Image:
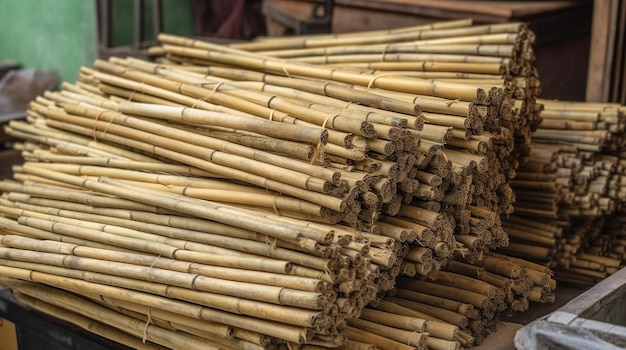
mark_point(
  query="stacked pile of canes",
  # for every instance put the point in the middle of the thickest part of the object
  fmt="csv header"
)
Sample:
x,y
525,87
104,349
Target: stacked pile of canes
x,y
252,196
570,194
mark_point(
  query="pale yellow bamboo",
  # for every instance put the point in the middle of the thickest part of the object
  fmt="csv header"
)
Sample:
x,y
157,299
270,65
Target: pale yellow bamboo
x,y
207,143
197,282
194,311
68,147
396,37
440,89
395,68
200,209
496,50
235,252
133,326
334,136
92,282
192,230
369,60
106,331
131,78
165,263
320,88
61,193
172,319
203,164
119,163
215,191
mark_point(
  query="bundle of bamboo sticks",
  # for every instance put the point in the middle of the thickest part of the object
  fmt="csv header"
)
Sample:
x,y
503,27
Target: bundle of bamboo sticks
x,y
569,196
272,190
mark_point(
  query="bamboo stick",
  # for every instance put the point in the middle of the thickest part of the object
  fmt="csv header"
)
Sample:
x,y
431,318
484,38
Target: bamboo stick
x,y
88,324
407,85
414,339
435,327
439,154
148,300
164,263
374,339
143,197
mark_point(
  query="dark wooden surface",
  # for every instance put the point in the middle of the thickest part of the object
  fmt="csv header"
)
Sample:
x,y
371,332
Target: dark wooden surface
x,y
602,48
8,158
452,8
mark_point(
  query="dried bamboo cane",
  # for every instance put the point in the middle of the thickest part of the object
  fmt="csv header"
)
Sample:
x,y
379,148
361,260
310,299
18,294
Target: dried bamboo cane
x,y
145,299
415,339
236,195
164,263
408,85
460,216
374,339
496,50
416,35
320,88
238,220
88,324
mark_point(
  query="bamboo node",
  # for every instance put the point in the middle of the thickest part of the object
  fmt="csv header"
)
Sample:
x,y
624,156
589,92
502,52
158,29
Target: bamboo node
x,y
286,72
237,307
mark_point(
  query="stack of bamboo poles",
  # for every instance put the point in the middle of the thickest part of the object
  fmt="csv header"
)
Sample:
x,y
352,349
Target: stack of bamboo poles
x,y
569,197
451,309
504,131
467,145
271,196
291,279
438,57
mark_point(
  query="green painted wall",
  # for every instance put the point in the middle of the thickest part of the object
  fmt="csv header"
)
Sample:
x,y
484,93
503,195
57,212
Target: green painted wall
x,y
177,19
58,34
61,34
